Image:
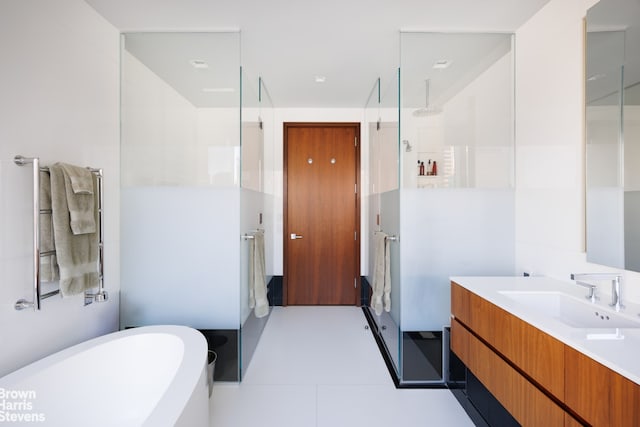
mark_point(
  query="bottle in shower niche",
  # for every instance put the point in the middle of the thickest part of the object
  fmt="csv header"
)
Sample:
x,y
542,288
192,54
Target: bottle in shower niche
x,y
434,171
429,168
421,169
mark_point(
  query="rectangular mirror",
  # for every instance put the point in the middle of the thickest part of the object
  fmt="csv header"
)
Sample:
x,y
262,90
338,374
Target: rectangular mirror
x,y
613,134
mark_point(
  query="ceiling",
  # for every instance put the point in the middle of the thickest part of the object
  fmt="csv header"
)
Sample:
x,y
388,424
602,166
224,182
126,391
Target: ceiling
x,y
289,43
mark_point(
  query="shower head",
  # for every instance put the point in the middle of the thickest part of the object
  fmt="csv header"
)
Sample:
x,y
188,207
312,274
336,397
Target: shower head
x,y
407,146
427,110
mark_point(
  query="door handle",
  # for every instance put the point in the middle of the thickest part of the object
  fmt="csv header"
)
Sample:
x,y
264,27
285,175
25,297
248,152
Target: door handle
x,y
295,236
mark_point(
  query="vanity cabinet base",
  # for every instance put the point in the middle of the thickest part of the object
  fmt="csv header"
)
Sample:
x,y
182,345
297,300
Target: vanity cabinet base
x,y
540,380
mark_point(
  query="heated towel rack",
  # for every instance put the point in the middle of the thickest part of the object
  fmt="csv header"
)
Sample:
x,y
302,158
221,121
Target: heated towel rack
x,y
38,296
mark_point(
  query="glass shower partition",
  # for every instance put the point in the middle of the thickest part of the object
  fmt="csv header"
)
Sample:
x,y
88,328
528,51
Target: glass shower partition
x,y
383,194
180,186
255,215
457,190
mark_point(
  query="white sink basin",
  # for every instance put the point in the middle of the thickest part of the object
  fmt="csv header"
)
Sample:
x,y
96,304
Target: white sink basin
x,y
571,311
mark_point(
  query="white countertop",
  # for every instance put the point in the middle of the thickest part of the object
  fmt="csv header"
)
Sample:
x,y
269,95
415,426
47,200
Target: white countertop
x,y
620,355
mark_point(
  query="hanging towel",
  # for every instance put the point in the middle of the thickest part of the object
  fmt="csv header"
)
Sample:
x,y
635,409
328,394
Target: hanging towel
x,y
48,264
78,183
77,254
257,276
381,275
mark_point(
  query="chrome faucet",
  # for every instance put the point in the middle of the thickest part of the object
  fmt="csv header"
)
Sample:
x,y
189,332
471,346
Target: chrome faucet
x,y
616,286
591,296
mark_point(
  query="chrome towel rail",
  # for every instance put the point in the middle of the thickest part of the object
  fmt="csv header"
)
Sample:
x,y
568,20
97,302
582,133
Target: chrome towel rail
x,y
389,237
36,303
23,303
250,235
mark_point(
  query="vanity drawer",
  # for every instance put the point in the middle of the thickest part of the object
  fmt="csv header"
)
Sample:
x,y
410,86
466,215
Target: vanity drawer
x,y
533,351
526,403
599,395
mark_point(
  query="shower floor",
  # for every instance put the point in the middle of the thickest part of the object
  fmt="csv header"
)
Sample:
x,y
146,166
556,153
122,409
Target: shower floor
x,y
320,367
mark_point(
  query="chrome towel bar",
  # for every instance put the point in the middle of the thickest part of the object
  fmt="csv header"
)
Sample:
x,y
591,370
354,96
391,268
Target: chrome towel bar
x,y
250,234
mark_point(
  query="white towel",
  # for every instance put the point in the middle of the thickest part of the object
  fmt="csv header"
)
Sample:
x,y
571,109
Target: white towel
x,y
381,274
80,198
77,254
257,276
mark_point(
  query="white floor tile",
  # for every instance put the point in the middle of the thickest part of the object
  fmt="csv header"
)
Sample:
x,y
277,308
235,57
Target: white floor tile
x,y
317,345
383,406
263,405
320,367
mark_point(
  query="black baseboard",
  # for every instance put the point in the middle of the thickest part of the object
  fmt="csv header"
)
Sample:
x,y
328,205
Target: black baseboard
x,y
365,291
468,407
275,294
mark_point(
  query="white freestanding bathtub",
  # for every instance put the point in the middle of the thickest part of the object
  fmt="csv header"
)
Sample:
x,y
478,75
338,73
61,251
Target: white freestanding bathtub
x,y
150,376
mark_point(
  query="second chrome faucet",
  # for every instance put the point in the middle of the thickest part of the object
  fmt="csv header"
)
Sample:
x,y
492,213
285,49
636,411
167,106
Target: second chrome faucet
x,y
616,286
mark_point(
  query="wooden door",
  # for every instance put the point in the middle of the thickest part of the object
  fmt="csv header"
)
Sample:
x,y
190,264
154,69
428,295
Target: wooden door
x,y
321,214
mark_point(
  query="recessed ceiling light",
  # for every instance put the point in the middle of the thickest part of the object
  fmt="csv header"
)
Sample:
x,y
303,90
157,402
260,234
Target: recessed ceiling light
x,y
218,90
320,79
441,64
198,63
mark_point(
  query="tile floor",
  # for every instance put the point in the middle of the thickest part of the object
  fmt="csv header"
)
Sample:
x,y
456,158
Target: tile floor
x,y
319,367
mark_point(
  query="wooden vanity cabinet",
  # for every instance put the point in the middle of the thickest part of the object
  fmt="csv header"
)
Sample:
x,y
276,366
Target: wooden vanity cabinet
x,y
535,352
526,403
599,395
538,379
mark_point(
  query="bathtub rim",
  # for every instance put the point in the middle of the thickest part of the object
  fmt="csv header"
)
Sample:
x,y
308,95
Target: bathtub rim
x,y
189,375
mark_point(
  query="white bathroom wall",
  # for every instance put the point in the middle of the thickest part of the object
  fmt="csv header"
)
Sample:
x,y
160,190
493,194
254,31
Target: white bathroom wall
x,y
217,151
59,81
550,204
159,129
485,107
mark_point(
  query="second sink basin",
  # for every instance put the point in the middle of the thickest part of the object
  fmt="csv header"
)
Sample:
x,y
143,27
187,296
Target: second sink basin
x,y
570,310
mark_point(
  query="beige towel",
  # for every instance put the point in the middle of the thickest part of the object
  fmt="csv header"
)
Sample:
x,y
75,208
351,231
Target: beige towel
x,y
257,276
381,274
81,200
77,254
48,264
